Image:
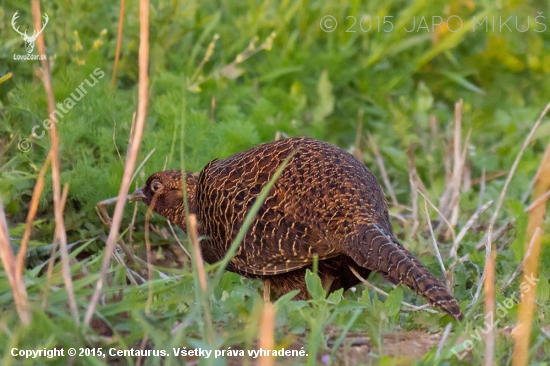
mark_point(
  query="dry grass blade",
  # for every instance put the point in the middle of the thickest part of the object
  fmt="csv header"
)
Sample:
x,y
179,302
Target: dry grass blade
x,y
131,136
434,241
494,237
142,163
539,201
8,260
528,190
130,257
56,178
118,42
383,171
266,335
413,180
115,145
537,215
522,263
142,346
129,272
449,279
213,108
399,217
489,289
132,226
6,77
487,177
450,226
446,333
149,265
503,194
194,234
64,196
463,181
465,229
177,240
382,292
481,189
132,156
37,192
453,178
49,273
457,138
101,211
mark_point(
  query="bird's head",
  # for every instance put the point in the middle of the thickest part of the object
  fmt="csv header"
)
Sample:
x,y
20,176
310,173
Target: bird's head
x,y
163,193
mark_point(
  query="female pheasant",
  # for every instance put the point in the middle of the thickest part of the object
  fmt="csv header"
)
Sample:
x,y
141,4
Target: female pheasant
x,y
326,203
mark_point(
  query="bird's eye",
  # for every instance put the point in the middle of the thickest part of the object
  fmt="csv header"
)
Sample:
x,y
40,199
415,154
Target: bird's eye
x,y
155,186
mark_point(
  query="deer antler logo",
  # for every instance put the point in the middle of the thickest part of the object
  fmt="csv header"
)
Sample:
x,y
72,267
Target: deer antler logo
x,y
29,40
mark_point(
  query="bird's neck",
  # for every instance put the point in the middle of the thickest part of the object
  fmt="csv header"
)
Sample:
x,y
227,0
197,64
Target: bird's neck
x,y
177,215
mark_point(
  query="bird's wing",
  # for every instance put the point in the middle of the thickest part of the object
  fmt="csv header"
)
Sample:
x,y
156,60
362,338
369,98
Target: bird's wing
x,y
279,243
282,238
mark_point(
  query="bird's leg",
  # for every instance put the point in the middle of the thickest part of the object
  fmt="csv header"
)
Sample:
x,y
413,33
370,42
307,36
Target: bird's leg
x,y
267,290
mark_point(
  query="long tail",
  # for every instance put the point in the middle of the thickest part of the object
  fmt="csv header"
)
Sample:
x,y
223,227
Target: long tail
x,y
381,252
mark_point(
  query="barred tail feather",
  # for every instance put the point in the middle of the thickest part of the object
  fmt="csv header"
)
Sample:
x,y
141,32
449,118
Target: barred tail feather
x,y
381,252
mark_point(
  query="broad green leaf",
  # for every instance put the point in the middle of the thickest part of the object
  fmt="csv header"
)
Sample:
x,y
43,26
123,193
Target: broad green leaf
x,y
393,302
365,297
335,297
287,297
314,286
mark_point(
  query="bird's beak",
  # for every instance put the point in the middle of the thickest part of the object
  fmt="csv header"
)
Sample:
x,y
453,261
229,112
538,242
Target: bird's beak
x,y
137,195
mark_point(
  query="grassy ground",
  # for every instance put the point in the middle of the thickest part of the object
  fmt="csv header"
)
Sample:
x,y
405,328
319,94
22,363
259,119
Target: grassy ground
x,y
225,76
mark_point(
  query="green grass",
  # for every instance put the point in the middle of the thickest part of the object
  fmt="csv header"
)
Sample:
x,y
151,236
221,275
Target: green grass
x,y
309,82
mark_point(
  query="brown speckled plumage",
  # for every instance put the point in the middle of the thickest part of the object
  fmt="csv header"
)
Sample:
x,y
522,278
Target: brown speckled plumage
x,y
325,203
